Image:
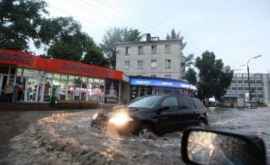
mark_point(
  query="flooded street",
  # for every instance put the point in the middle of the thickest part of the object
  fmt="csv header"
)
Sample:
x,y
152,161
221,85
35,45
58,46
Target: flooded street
x,y
67,138
246,121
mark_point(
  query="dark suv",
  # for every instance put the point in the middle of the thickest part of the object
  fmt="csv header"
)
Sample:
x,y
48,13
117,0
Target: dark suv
x,y
159,114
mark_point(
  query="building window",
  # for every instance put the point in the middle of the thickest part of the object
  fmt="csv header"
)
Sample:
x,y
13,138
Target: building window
x,y
153,75
260,88
167,49
140,50
154,49
140,64
168,64
127,51
153,63
127,64
167,76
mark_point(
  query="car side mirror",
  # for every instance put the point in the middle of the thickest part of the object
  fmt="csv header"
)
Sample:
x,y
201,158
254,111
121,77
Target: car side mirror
x,y
204,146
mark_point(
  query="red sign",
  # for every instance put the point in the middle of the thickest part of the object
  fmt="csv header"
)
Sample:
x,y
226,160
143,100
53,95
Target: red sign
x,y
27,60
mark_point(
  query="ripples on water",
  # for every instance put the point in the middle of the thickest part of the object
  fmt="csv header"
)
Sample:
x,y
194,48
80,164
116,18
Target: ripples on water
x,y
247,121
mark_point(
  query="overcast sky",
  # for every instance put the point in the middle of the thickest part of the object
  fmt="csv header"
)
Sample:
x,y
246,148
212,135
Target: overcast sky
x,y
234,29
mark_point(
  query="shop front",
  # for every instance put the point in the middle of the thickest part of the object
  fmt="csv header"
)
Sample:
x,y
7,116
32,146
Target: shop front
x,y
143,86
33,79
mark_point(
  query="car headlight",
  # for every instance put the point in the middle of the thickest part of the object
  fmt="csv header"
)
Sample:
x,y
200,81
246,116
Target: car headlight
x,y
120,118
94,117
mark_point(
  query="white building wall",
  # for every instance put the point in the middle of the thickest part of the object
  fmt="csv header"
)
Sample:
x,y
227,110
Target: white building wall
x,y
266,80
259,84
175,56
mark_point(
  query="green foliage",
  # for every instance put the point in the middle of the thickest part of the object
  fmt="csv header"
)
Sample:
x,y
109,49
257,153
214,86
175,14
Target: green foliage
x,y
20,22
191,76
95,56
115,35
67,41
65,38
214,77
174,36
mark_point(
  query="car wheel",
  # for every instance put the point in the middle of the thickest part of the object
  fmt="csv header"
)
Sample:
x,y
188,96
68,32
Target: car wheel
x,y
147,133
203,122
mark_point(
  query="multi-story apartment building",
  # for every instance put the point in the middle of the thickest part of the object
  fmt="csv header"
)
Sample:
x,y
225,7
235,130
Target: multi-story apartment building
x,y
259,87
151,58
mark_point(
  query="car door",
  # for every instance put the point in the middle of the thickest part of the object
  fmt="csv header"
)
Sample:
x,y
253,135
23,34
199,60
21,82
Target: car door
x,y
168,117
187,112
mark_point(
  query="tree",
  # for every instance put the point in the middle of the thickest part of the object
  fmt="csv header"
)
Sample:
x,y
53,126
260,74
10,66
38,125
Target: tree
x,y
188,61
214,78
95,56
20,22
115,35
174,36
191,76
67,41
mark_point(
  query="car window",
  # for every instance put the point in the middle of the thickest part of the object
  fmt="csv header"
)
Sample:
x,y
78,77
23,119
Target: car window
x,y
186,103
170,102
198,104
147,102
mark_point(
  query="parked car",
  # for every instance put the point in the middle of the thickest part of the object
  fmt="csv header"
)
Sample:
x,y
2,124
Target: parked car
x,y
158,114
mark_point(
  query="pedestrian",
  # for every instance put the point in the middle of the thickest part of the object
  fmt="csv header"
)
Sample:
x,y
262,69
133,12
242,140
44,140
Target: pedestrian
x,y
8,91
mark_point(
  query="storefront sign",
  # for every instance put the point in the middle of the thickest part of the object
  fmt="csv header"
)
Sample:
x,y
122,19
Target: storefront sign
x,y
161,83
15,58
27,60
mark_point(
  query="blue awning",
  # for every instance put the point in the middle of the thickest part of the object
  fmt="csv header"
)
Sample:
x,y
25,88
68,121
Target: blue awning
x,y
160,82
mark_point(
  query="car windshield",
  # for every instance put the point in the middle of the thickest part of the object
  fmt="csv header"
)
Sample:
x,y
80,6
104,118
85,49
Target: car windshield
x,y
147,102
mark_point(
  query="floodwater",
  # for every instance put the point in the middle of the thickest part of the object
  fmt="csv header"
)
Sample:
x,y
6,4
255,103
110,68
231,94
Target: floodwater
x,y
67,138
245,121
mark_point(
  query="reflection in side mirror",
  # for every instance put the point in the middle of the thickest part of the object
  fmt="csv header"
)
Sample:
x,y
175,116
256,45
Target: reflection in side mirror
x,y
208,147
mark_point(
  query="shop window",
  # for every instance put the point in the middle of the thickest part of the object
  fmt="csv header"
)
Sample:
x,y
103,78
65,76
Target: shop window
x,y
31,90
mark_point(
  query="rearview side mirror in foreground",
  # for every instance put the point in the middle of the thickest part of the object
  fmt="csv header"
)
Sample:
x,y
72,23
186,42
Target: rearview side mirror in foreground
x,y
212,147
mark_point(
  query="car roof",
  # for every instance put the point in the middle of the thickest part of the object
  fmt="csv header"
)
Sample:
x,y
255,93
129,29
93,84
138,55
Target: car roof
x,y
167,95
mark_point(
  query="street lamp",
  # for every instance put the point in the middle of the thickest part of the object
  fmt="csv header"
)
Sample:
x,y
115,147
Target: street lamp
x,y
252,58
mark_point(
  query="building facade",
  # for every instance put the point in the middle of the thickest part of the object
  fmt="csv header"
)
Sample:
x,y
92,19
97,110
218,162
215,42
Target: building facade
x,y
32,79
151,58
259,87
